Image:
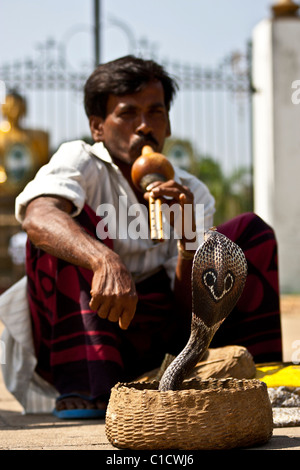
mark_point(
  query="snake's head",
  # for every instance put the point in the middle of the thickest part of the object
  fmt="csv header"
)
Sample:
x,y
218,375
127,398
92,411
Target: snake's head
x,y
218,277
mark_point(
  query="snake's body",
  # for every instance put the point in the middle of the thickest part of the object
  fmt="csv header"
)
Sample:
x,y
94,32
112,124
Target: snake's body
x,y
218,277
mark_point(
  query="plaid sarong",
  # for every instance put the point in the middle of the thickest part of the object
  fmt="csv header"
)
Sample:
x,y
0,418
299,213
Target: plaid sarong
x,y
255,321
78,351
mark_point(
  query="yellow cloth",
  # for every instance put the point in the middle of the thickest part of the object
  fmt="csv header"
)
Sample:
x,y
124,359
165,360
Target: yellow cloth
x,y
279,374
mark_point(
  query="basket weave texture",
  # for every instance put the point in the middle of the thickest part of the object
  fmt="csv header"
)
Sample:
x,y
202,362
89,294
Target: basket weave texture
x,y
202,415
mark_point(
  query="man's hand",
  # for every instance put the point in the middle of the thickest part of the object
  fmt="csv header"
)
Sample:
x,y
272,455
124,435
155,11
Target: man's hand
x,y
172,192
50,227
113,291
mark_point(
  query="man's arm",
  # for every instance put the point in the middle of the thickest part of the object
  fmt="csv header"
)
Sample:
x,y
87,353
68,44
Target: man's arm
x,y
51,228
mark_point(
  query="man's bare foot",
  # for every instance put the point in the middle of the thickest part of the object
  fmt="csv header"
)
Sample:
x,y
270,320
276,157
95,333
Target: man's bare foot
x,y
77,401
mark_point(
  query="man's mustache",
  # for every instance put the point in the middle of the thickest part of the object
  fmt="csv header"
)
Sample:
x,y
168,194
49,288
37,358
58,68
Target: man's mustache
x,y
145,140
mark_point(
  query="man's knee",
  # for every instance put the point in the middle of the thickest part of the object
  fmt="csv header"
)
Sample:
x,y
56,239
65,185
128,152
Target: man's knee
x,y
246,226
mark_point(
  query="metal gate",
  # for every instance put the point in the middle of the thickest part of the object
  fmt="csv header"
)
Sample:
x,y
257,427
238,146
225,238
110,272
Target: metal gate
x,y
212,109
210,118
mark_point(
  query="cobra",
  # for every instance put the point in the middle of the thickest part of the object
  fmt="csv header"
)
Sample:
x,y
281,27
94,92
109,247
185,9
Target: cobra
x,y
219,274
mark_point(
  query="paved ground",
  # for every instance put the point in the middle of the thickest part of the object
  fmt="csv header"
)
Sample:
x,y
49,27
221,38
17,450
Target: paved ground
x,y
45,432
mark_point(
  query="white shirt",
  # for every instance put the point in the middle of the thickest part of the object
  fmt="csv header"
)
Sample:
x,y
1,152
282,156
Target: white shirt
x,y
85,174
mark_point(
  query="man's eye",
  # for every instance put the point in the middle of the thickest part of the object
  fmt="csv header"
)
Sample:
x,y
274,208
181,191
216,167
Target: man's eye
x,y
128,113
157,111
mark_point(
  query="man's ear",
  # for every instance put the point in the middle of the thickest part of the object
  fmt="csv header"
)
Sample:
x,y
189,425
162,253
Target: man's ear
x,y
96,126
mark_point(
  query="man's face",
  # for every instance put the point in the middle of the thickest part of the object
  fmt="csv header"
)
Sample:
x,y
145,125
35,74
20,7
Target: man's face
x,y
133,121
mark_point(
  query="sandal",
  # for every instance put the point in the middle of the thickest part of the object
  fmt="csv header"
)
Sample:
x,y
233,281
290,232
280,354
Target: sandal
x,y
79,413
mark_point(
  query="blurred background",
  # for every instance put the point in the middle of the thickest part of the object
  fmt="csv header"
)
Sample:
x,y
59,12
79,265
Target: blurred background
x,y
49,48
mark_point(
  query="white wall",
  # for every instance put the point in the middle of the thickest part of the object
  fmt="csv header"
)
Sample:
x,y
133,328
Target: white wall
x,y
276,146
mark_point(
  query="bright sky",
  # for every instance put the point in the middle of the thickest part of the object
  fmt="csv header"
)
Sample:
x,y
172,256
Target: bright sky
x,y
195,32
191,31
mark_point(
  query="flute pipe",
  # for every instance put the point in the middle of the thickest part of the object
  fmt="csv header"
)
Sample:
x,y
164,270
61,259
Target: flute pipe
x,y
155,212
152,219
159,222
155,216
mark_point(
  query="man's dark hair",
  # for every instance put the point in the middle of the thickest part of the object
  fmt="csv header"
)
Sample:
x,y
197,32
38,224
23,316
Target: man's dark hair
x,y
124,76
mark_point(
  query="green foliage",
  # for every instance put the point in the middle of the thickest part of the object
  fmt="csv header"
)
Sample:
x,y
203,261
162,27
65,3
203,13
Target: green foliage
x,y
233,193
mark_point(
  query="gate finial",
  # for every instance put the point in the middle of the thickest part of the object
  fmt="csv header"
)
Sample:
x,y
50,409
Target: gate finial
x,y
285,8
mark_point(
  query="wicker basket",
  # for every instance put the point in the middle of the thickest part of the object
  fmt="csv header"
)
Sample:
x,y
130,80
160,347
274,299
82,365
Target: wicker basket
x,y
208,414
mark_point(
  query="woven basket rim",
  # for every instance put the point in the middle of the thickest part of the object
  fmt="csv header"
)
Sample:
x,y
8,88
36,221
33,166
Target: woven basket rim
x,y
195,385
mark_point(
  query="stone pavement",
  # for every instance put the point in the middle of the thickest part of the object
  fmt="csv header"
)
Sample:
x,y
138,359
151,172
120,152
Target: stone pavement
x,y
46,432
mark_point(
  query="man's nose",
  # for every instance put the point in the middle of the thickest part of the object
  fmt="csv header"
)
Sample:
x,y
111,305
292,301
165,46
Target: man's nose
x,y
144,126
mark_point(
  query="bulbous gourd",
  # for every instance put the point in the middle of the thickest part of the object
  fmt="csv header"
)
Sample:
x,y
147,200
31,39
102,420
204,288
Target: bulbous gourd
x,y
150,167
147,169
